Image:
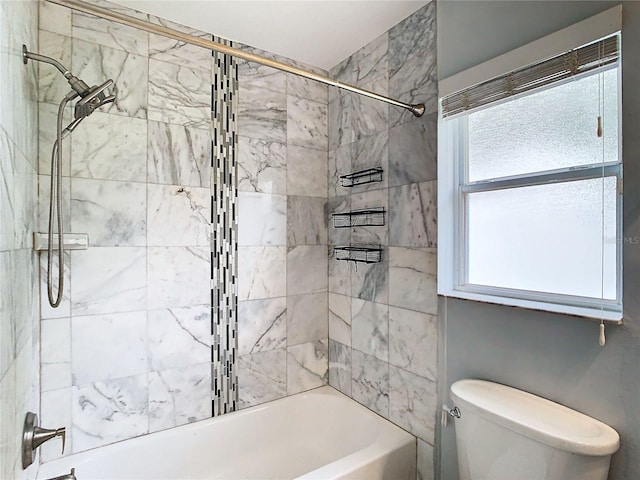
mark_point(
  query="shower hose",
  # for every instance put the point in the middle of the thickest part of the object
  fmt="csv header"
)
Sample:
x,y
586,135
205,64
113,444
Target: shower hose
x,y
55,208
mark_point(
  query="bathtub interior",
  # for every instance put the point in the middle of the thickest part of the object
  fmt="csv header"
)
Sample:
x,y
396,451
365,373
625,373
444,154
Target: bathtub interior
x,y
316,434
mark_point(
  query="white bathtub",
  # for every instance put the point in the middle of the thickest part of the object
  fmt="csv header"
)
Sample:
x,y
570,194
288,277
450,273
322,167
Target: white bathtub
x,y
320,434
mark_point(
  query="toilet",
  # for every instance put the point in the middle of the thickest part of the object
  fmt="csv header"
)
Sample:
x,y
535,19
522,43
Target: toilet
x,y
506,434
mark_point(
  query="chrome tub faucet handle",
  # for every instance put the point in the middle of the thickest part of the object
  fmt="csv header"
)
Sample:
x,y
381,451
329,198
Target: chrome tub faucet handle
x,y
33,436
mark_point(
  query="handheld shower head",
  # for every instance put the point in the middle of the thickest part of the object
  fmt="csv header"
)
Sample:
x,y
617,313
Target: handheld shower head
x,y
94,98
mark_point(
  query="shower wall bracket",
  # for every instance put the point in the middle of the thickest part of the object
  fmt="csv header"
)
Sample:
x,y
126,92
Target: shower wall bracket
x,y
72,241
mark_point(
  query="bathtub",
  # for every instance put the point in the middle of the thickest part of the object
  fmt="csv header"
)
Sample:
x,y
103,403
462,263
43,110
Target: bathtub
x,y
320,434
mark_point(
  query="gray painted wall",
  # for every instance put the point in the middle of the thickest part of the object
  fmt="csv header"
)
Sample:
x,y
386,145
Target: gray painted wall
x,y
554,356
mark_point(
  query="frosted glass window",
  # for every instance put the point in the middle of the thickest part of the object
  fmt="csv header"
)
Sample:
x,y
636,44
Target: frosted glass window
x,y
545,238
550,129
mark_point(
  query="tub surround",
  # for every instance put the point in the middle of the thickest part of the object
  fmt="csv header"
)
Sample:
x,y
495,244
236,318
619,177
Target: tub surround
x,y
137,178
19,329
383,317
282,164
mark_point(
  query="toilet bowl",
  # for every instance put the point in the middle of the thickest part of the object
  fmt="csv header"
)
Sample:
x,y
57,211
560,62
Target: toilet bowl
x,y
507,434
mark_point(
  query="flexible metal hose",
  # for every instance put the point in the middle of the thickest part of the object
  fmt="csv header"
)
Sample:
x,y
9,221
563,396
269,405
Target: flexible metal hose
x,y
55,208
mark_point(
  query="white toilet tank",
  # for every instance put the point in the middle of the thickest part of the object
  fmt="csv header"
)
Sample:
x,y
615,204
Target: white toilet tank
x,y
507,434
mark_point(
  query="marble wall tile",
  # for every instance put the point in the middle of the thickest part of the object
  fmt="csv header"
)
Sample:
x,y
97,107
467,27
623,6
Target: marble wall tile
x,y
307,123
44,187
25,205
306,171
55,409
413,151
339,164
262,165
370,152
413,403
98,352
180,53
129,72
411,36
178,337
52,86
179,396
261,272
413,342
262,377
413,76
178,276
306,270
179,94
371,281
373,234
110,34
308,89
412,279
263,219
55,354
110,147
340,318
339,276
370,116
250,72
370,62
120,221
306,220
7,340
178,216
307,318
108,280
426,468
109,411
54,376
47,117
340,121
340,367
412,58
370,328
262,325
413,215
370,382
345,73
307,366
262,108
338,236
178,155
54,18
7,187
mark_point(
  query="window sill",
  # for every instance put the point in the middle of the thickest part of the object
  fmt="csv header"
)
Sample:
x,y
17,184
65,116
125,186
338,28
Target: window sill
x,y
592,313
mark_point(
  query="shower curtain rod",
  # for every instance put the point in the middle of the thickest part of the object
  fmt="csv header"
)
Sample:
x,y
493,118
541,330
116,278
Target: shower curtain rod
x,y
416,109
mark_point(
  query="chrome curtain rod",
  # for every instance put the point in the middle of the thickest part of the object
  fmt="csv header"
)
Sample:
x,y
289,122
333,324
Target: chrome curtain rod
x,y
417,109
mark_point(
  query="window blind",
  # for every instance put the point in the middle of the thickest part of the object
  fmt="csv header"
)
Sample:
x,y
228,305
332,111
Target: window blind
x,y
594,55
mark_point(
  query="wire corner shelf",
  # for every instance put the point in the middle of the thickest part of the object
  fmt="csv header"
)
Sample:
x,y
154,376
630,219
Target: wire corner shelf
x,y
358,253
362,177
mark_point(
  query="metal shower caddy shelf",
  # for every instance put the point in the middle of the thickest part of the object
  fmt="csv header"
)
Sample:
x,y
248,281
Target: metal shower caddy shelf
x,y
359,218
362,177
358,253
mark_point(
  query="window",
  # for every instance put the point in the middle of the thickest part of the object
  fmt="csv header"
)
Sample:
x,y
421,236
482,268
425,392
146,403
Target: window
x,y
530,190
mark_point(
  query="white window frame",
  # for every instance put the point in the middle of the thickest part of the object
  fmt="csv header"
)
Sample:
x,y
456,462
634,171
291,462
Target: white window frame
x,y
452,156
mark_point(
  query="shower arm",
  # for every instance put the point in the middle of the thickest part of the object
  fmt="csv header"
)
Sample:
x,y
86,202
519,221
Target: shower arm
x,y
417,109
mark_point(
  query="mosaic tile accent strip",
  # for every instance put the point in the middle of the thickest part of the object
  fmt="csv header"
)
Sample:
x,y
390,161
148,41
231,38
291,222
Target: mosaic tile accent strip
x,y
224,238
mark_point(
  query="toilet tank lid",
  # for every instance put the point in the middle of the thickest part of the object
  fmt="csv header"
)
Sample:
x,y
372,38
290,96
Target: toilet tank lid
x,y
534,417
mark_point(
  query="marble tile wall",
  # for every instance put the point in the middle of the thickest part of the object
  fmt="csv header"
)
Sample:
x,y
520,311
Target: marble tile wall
x,y
129,350
19,332
383,317
282,204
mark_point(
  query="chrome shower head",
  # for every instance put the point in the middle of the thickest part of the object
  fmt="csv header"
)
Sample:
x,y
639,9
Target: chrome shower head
x,y
92,99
